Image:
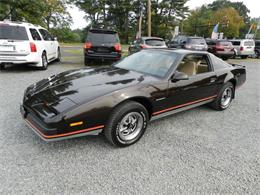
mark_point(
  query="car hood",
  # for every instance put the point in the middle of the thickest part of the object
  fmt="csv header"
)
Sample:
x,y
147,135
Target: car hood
x,y
84,85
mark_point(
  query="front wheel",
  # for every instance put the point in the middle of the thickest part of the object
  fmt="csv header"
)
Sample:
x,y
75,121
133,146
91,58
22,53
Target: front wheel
x,y
244,57
225,97
127,124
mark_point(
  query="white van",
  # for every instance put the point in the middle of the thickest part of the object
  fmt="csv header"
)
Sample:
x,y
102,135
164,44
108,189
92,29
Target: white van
x,y
24,43
244,47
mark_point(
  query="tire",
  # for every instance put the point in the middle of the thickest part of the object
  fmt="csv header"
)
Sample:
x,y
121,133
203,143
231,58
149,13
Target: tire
x,y
87,61
257,54
44,62
2,67
225,58
58,59
244,57
127,124
222,103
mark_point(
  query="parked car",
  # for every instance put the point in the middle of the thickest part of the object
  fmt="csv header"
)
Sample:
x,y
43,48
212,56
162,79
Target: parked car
x,y
146,43
257,48
102,45
25,43
221,48
244,47
190,43
121,99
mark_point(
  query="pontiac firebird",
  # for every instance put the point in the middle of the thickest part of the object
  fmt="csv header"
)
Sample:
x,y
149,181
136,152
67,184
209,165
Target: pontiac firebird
x,y
120,100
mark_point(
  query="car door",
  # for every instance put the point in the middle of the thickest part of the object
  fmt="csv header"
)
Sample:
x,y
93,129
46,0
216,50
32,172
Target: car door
x,y
49,43
200,85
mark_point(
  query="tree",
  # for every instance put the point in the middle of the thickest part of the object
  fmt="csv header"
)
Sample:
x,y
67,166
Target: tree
x,y
240,7
46,12
236,21
122,15
55,13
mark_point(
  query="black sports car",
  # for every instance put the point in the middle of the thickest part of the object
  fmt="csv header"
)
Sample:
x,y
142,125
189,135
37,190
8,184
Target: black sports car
x,y
121,99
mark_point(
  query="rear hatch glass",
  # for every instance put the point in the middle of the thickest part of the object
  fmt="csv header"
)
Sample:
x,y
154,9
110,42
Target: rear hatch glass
x,y
102,38
226,44
154,42
197,41
13,32
249,43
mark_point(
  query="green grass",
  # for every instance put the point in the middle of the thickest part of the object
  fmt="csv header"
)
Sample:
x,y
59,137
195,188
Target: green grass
x,y
75,51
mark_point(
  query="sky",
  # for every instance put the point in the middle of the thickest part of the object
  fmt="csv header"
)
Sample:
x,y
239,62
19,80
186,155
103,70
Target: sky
x,y
80,22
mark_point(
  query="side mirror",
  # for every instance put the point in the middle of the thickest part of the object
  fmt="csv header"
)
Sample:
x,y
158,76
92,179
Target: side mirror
x,y
179,76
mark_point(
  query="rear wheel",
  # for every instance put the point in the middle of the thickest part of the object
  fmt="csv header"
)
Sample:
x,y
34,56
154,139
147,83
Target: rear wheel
x,y
225,97
127,124
44,62
58,59
244,57
257,54
87,61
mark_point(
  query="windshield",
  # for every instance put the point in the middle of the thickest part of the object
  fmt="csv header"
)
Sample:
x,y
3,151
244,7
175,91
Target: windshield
x,y
13,32
156,63
155,42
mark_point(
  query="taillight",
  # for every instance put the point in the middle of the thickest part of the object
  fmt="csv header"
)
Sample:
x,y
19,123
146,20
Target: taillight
x,y
87,45
33,47
219,47
118,47
143,46
241,48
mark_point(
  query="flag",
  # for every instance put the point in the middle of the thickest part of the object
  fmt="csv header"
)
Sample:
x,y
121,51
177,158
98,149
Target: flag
x,y
214,34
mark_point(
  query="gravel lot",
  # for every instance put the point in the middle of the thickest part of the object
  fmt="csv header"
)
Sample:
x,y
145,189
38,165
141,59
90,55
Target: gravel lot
x,y
200,150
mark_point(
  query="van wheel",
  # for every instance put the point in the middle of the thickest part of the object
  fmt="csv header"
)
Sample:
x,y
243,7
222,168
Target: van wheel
x,y
244,57
58,59
2,67
44,62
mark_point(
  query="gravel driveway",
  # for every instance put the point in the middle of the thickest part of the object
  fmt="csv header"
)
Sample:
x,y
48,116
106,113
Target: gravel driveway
x,y
200,150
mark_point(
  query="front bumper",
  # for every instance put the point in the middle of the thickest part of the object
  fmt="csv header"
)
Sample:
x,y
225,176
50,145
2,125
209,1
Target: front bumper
x,y
53,134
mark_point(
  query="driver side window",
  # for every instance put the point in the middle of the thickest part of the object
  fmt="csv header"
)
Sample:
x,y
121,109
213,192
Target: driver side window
x,y
194,64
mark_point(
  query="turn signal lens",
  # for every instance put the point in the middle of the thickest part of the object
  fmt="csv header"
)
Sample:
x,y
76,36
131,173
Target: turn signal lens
x,y
76,124
33,47
87,45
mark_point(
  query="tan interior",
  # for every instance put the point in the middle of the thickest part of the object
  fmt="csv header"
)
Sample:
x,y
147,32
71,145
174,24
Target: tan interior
x,y
192,68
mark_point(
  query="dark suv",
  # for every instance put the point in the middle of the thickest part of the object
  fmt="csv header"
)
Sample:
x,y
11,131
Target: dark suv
x,y
221,48
191,43
257,48
102,45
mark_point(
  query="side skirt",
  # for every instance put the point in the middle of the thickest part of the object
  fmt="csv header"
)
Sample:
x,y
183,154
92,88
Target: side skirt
x,y
165,114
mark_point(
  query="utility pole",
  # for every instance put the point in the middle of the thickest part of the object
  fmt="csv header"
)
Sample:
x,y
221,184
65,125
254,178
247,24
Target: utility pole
x,y
149,18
